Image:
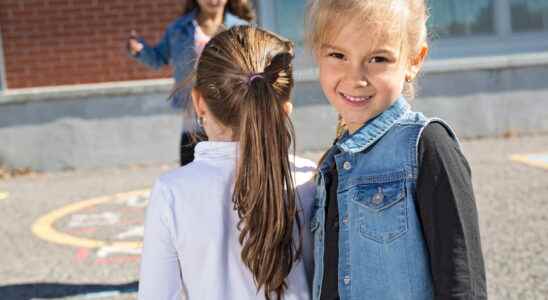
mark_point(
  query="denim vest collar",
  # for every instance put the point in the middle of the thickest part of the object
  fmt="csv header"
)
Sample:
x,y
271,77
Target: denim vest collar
x,y
374,129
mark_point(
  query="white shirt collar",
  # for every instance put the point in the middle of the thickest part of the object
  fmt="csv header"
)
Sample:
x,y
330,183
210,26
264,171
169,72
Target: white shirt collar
x,y
215,151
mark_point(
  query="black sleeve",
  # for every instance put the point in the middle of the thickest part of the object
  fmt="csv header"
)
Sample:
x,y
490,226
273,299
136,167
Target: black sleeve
x,y
447,209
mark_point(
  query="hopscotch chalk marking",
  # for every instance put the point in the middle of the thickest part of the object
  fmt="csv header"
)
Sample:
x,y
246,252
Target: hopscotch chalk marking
x,y
534,160
102,219
137,231
107,251
44,229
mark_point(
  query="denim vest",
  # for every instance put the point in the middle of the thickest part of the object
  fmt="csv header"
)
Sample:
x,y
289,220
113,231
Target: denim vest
x,y
176,48
382,251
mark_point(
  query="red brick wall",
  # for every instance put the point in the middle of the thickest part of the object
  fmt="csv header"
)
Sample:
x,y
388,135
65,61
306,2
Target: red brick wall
x,y
56,42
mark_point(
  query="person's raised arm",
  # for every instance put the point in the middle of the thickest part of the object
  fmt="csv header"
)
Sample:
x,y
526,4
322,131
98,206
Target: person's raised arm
x,y
154,57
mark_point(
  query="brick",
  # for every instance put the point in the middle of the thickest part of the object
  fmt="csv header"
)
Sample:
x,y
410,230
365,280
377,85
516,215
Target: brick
x,y
59,3
51,42
34,4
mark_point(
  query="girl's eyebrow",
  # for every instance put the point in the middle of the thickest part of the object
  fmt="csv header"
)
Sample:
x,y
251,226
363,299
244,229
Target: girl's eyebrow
x,y
383,51
329,46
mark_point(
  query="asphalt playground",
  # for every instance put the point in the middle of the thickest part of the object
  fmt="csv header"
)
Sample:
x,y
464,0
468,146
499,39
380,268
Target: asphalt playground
x,y
77,234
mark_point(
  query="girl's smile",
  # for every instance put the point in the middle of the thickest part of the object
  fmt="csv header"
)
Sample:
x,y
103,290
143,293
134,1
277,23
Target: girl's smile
x,y
356,100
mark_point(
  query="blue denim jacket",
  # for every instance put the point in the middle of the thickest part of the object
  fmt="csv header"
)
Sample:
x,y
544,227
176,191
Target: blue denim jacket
x,y
177,49
382,251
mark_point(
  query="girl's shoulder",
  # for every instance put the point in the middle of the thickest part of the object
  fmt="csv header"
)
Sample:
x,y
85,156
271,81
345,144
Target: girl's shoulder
x,y
302,162
304,169
305,188
184,21
304,172
194,172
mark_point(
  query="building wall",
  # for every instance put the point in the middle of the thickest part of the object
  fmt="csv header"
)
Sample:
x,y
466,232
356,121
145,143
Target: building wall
x,y
58,130
62,42
483,85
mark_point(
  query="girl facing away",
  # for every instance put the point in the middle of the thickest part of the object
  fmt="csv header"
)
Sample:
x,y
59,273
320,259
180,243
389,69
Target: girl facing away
x,y
181,45
395,215
231,224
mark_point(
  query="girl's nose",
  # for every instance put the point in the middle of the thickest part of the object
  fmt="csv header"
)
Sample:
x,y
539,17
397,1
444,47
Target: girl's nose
x,y
357,74
362,83
359,80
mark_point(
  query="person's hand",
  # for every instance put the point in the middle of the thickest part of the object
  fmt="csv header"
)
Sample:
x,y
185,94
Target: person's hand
x,y
133,43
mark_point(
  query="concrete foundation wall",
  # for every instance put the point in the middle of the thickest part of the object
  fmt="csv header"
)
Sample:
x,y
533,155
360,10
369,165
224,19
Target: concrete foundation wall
x,y
120,126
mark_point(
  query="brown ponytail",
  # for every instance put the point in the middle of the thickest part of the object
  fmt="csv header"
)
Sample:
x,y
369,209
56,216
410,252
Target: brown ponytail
x,y
245,77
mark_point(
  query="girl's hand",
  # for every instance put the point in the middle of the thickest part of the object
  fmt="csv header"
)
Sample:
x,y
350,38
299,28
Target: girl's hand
x,y
133,43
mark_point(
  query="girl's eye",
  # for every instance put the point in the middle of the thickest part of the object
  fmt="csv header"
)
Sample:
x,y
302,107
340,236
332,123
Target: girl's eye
x,y
378,59
336,55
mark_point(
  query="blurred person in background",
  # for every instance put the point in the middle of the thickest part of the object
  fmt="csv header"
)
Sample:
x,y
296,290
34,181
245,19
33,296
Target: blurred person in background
x,y
181,45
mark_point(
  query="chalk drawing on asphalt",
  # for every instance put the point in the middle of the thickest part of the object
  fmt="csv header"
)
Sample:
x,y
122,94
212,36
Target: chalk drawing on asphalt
x,y
92,220
137,231
106,231
107,251
137,201
4,195
535,160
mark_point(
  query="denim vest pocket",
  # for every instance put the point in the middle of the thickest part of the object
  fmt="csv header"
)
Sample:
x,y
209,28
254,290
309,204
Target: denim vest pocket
x,y
382,209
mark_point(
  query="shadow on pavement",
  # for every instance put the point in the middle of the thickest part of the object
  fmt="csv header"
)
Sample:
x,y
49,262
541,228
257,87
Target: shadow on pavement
x,y
28,291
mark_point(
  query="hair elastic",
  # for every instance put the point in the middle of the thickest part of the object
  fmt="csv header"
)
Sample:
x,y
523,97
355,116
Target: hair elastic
x,y
253,77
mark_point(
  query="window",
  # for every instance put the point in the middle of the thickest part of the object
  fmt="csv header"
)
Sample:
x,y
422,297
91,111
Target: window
x,y
459,28
458,18
290,16
529,15
449,18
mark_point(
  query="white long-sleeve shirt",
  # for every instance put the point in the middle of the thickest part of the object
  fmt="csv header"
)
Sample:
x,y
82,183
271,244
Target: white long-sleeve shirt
x,y
191,248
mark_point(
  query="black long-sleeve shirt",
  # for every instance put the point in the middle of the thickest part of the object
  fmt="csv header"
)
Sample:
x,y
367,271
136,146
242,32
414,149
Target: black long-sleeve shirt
x,y
447,210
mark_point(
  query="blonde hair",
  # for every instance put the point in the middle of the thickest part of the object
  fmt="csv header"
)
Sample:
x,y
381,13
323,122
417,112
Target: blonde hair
x,y
324,20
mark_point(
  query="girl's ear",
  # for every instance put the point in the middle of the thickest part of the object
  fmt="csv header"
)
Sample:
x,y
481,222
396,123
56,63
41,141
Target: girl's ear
x,y
198,102
416,62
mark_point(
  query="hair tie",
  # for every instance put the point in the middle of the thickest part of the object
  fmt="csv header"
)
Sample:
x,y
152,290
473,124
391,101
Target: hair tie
x,y
253,77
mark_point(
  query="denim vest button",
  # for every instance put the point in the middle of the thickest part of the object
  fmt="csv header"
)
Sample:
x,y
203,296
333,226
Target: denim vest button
x,y
378,197
347,165
346,280
345,220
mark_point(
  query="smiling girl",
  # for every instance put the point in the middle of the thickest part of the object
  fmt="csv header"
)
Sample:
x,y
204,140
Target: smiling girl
x,y
395,215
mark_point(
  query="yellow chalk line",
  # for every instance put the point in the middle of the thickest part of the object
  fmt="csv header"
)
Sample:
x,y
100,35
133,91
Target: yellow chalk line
x,y
43,227
526,160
